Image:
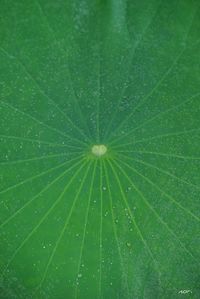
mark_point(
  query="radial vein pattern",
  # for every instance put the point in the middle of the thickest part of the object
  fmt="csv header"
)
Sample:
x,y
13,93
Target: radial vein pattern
x,y
99,144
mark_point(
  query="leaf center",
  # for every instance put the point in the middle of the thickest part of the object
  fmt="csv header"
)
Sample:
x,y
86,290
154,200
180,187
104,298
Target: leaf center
x,y
99,150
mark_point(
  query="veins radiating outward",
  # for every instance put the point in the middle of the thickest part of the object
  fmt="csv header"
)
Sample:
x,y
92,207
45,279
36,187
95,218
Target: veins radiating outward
x,y
85,226
162,191
43,124
99,93
80,160
154,118
69,72
125,145
114,166
45,95
157,85
134,221
40,142
129,68
162,154
30,179
162,113
152,208
18,161
64,227
115,230
45,215
159,170
101,227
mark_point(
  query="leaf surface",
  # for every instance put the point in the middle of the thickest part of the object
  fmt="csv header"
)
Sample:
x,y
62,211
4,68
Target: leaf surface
x,y
100,149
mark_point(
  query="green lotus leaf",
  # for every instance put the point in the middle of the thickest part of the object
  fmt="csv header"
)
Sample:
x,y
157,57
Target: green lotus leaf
x,y
100,149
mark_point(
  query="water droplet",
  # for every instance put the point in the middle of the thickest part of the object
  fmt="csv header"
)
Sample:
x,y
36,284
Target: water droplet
x,y
128,189
128,244
79,275
104,188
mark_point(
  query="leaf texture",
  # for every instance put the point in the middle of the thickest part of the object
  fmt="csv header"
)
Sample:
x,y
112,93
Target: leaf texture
x,y
100,149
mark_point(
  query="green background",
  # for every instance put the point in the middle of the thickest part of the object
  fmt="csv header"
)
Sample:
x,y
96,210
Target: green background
x,y
126,74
